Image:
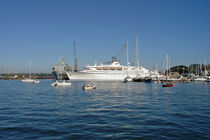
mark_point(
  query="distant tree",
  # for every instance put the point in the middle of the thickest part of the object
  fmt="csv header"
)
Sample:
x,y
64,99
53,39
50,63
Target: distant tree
x,y
181,69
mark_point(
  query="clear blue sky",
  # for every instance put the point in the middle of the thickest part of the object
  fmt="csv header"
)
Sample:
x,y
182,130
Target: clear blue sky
x,y
43,30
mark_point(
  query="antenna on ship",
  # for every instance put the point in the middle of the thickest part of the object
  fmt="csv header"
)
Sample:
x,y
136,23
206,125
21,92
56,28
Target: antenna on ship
x,y
75,58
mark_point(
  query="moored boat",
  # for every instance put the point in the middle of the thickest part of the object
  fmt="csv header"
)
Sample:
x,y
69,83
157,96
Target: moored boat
x,y
29,80
113,71
61,83
168,85
88,86
200,79
128,79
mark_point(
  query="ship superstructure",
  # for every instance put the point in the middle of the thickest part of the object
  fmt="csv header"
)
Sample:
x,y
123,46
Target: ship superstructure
x,y
59,70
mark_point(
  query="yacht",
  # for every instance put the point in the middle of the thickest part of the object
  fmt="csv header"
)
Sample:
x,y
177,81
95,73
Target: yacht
x,y
29,80
200,79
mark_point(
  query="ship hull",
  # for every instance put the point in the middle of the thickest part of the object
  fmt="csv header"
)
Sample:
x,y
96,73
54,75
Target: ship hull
x,y
100,76
62,76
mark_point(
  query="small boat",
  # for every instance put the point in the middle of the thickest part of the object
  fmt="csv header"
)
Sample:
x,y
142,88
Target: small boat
x,y
168,85
208,79
148,80
128,79
200,79
60,83
36,81
29,80
87,86
138,79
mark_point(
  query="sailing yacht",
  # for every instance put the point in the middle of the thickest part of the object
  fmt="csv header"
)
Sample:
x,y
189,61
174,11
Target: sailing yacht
x,y
167,82
201,77
29,80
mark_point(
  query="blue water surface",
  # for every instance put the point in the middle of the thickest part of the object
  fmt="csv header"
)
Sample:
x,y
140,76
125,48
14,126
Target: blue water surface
x,y
115,110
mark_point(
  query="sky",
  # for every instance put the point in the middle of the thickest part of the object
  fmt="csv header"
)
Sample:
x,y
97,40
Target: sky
x,y
44,30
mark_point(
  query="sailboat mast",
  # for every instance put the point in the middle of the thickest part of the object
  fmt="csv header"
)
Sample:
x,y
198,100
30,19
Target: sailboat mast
x,y
167,67
205,68
75,58
30,68
127,55
59,78
137,56
127,50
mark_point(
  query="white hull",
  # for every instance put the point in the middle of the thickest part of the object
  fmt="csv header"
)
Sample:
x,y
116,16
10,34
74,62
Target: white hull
x,y
128,79
60,83
109,72
86,87
103,76
30,81
200,79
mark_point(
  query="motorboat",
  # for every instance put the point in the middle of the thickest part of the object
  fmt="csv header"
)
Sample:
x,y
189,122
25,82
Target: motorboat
x,y
168,85
88,86
29,80
61,83
200,79
128,79
36,81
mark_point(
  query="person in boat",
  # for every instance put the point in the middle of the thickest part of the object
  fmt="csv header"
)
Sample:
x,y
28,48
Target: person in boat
x,y
86,85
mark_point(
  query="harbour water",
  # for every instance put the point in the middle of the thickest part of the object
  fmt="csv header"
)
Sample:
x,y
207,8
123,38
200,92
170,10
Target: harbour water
x,y
115,110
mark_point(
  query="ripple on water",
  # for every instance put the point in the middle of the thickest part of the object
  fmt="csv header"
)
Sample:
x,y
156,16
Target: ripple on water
x,y
115,110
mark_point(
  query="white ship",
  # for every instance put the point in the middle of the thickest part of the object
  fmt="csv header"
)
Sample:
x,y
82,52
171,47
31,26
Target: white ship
x,y
109,72
112,71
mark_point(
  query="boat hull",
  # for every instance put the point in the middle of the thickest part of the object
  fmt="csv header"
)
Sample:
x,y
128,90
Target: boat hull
x,y
168,85
88,87
100,76
57,83
35,81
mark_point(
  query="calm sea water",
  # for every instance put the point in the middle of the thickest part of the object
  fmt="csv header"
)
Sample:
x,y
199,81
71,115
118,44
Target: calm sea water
x,y
115,110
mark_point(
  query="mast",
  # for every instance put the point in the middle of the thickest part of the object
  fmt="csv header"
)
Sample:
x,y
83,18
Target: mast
x,y
127,50
201,72
127,55
205,72
75,58
30,68
137,56
59,75
167,67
